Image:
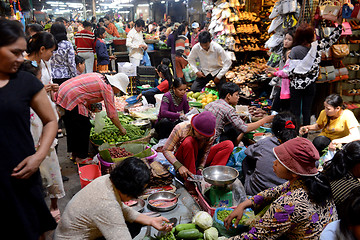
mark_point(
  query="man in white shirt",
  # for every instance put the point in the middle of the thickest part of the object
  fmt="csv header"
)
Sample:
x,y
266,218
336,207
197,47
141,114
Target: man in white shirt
x,y
135,42
214,62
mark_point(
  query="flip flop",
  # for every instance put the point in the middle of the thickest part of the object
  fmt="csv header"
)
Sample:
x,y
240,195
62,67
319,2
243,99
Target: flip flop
x,y
87,160
56,215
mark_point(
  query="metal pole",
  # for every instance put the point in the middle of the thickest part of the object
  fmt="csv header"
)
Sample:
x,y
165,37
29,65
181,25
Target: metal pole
x,y
84,3
167,8
93,8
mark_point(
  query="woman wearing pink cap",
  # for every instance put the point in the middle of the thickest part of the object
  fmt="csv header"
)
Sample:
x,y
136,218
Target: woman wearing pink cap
x,y
189,146
301,207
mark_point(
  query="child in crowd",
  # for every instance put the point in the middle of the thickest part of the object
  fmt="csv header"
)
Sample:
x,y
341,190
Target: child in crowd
x,y
103,58
167,62
261,156
229,125
80,64
174,105
281,90
164,73
49,168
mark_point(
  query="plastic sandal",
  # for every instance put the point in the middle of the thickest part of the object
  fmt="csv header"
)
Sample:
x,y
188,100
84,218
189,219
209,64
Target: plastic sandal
x,y
56,215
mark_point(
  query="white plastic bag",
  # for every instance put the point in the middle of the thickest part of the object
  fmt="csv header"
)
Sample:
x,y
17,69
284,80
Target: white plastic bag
x,y
99,121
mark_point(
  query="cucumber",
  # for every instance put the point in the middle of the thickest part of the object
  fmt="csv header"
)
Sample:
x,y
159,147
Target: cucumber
x,y
185,226
188,234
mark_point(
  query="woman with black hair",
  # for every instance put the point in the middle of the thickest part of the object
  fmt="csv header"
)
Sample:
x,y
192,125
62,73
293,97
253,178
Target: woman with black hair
x,y
50,167
337,124
104,214
63,59
299,208
182,50
343,172
348,227
32,29
303,71
174,105
103,58
27,215
261,155
164,72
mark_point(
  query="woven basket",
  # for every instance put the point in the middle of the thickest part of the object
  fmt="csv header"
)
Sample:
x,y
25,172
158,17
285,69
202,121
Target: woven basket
x,y
145,139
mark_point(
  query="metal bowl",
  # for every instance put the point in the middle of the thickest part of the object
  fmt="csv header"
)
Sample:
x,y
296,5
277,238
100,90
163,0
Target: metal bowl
x,y
220,175
162,195
139,207
142,123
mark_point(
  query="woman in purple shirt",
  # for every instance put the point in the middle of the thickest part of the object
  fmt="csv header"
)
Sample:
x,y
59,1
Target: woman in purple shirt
x,y
174,105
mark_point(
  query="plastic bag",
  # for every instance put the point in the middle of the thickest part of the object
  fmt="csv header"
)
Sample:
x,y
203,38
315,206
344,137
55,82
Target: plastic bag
x,y
161,158
146,59
99,122
236,158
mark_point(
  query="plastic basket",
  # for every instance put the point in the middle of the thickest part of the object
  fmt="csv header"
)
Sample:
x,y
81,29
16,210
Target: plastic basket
x,y
232,231
204,204
88,173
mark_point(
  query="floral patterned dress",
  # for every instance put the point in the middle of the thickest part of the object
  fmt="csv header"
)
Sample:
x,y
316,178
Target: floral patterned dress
x,y
291,214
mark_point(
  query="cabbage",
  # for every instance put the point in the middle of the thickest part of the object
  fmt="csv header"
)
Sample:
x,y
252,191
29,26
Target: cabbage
x,y
203,220
211,234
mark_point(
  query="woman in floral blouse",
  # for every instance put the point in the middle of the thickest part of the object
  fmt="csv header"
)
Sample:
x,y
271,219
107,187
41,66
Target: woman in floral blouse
x,y
299,208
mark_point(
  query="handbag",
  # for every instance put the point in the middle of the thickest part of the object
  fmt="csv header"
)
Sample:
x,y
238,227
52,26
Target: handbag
x,y
326,55
346,11
346,28
289,6
341,74
340,50
356,11
329,7
327,74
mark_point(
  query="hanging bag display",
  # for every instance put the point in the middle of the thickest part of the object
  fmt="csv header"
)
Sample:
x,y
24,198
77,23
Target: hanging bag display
x,y
346,28
340,50
327,74
356,11
330,8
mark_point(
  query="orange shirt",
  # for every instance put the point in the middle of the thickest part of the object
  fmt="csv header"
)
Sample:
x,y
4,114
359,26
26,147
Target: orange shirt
x,y
164,86
112,30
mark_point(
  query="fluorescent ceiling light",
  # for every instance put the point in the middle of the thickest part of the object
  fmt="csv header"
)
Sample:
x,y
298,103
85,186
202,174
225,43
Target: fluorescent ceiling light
x,y
123,11
162,2
151,3
143,5
177,0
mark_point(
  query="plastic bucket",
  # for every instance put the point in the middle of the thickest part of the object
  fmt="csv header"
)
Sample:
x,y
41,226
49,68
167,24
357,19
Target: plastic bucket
x,y
88,173
105,166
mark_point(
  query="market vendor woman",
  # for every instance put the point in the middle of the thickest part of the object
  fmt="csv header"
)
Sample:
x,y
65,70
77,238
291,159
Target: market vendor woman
x,y
189,146
337,124
174,105
76,96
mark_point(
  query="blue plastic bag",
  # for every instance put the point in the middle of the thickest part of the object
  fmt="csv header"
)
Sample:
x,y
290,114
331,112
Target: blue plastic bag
x,y
236,158
146,60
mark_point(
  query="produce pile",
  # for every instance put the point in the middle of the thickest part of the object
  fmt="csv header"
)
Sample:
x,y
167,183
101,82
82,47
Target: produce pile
x,y
223,214
200,228
111,134
256,112
203,98
118,152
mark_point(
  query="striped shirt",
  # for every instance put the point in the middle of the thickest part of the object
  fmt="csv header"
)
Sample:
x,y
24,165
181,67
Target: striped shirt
x,y
84,90
342,187
85,41
182,46
177,136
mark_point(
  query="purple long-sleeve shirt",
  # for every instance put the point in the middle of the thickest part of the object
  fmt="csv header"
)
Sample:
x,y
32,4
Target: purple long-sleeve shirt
x,y
171,43
169,110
